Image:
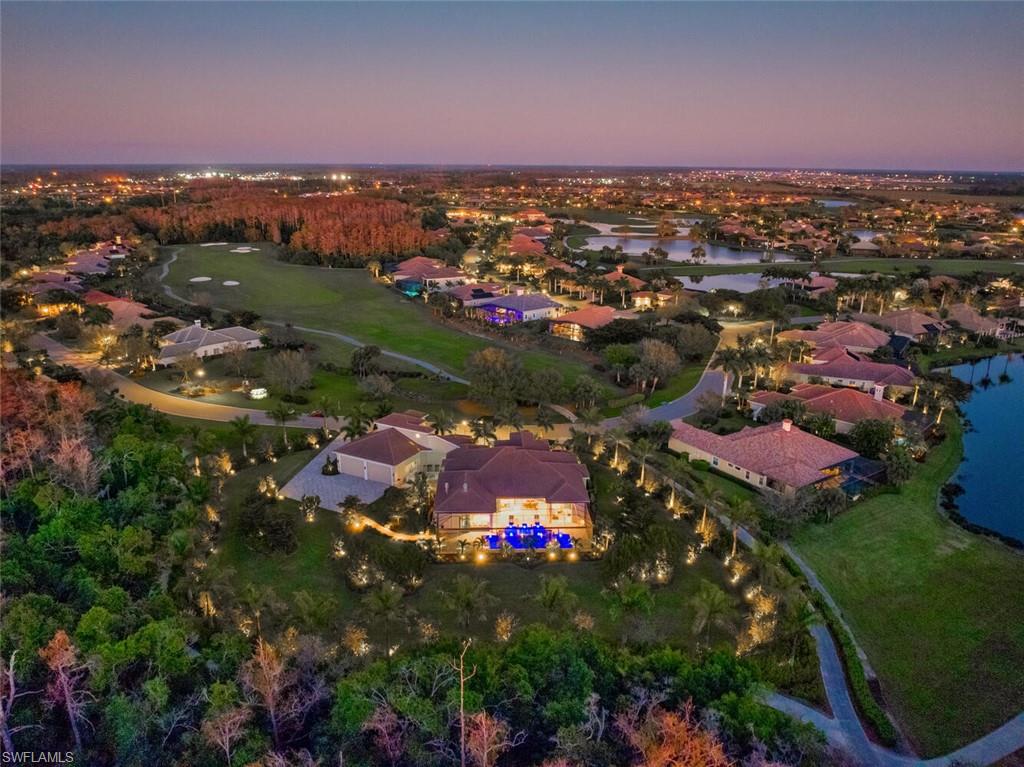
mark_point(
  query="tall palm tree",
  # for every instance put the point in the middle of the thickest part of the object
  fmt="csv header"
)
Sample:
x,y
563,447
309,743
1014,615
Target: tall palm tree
x,y
482,430
729,360
282,414
245,430
712,607
509,415
545,418
442,422
384,603
590,419
467,597
330,408
629,601
643,449
797,620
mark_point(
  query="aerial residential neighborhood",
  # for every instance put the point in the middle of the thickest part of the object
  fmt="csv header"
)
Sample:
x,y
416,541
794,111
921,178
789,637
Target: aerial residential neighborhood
x,y
512,384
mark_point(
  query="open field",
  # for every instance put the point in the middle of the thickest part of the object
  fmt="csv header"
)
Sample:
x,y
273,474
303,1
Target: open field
x,y
937,609
884,265
344,301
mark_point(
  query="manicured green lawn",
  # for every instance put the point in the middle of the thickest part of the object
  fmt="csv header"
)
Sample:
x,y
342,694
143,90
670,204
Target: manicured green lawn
x,y
938,610
679,385
885,265
346,301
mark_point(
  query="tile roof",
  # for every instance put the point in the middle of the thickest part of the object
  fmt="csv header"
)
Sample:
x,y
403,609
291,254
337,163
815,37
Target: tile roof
x,y
474,478
780,451
193,337
523,303
854,368
589,317
843,404
855,334
413,420
387,446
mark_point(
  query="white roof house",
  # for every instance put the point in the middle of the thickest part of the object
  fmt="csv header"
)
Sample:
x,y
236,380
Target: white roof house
x,y
204,342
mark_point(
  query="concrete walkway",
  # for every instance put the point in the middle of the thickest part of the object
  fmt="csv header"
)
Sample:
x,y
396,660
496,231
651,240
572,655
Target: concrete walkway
x,y
170,404
339,336
845,730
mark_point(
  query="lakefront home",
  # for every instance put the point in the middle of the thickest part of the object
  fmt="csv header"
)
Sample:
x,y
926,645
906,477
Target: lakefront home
x,y
854,336
779,457
519,493
844,405
834,365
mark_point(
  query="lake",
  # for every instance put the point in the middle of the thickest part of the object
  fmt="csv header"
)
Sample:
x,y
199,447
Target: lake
x,y
993,467
835,203
679,250
741,283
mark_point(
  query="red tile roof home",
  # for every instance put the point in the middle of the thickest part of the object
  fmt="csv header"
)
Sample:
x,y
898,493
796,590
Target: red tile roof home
x,y
852,335
472,479
590,317
843,404
408,419
635,283
780,451
387,446
969,318
852,369
99,297
910,323
521,245
421,267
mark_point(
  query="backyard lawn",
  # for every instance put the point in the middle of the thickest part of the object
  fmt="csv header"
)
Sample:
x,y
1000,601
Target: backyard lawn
x,y
345,301
937,609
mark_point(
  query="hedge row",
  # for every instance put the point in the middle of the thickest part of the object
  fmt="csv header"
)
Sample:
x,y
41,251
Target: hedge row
x,y
863,698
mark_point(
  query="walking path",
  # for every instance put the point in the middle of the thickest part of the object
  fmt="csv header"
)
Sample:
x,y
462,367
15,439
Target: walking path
x,y
845,730
135,392
165,267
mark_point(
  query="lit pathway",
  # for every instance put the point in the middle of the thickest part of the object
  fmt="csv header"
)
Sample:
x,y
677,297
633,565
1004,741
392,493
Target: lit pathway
x,y
340,336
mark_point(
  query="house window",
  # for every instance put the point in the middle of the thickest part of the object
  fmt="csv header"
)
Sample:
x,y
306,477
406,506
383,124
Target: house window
x,y
714,460
748,475
464,521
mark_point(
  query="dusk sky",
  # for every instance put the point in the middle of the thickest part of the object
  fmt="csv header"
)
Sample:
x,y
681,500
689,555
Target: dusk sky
x,y
910,85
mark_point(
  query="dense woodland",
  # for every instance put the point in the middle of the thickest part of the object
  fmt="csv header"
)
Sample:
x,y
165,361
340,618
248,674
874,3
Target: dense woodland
x,y
110,650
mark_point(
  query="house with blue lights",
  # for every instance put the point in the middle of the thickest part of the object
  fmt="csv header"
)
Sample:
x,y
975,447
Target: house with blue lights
x,y
525,307
519,493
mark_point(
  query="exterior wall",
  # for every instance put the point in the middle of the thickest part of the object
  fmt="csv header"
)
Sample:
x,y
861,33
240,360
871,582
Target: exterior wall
x,y
751,478
540,314
396,476
211,350
569,330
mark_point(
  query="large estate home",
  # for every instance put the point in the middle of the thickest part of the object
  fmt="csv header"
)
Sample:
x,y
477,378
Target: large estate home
x,y
575,325
970,319
835,365
854,336
476,294
910,323
418,274
524,307
519,493
400,446
779,457
812,286
844,405
204,342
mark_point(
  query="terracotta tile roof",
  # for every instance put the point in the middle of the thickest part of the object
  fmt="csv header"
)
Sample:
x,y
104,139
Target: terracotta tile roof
x,y
849,367
854,334
423,268
413,420
387,446
969,318
843,404
910,322
525,246
473,478
99,297
589,317
635,283
780,451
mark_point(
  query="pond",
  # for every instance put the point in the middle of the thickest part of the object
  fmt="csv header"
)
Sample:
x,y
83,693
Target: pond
x,y
679,250
741,283
993,465
835,203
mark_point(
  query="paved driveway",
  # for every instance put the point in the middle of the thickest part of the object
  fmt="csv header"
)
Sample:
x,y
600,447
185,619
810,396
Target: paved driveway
x,y
331,489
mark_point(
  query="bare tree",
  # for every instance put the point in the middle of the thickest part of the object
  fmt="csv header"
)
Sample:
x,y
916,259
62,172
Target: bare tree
x,y
460,669
8,695
288,371
388,732
278,690
489,737
60,656
224,729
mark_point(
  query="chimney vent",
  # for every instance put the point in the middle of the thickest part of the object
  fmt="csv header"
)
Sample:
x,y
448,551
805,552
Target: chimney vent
x,y
879,392
465,487
787,424
197,323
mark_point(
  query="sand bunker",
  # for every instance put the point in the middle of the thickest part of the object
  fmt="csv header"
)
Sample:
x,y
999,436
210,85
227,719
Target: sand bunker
x,y
200,279
230,283
211,244
244,249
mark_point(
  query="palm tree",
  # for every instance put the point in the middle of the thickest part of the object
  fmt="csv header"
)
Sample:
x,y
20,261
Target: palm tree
x,y
712,607
729,360
509,415
768,564
797,620
555,596
590,420
282,414
482,430
467,597
313,610
330,408
741,512
643,449
385,604
628,601
442,422
545,418
357,423
245,430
